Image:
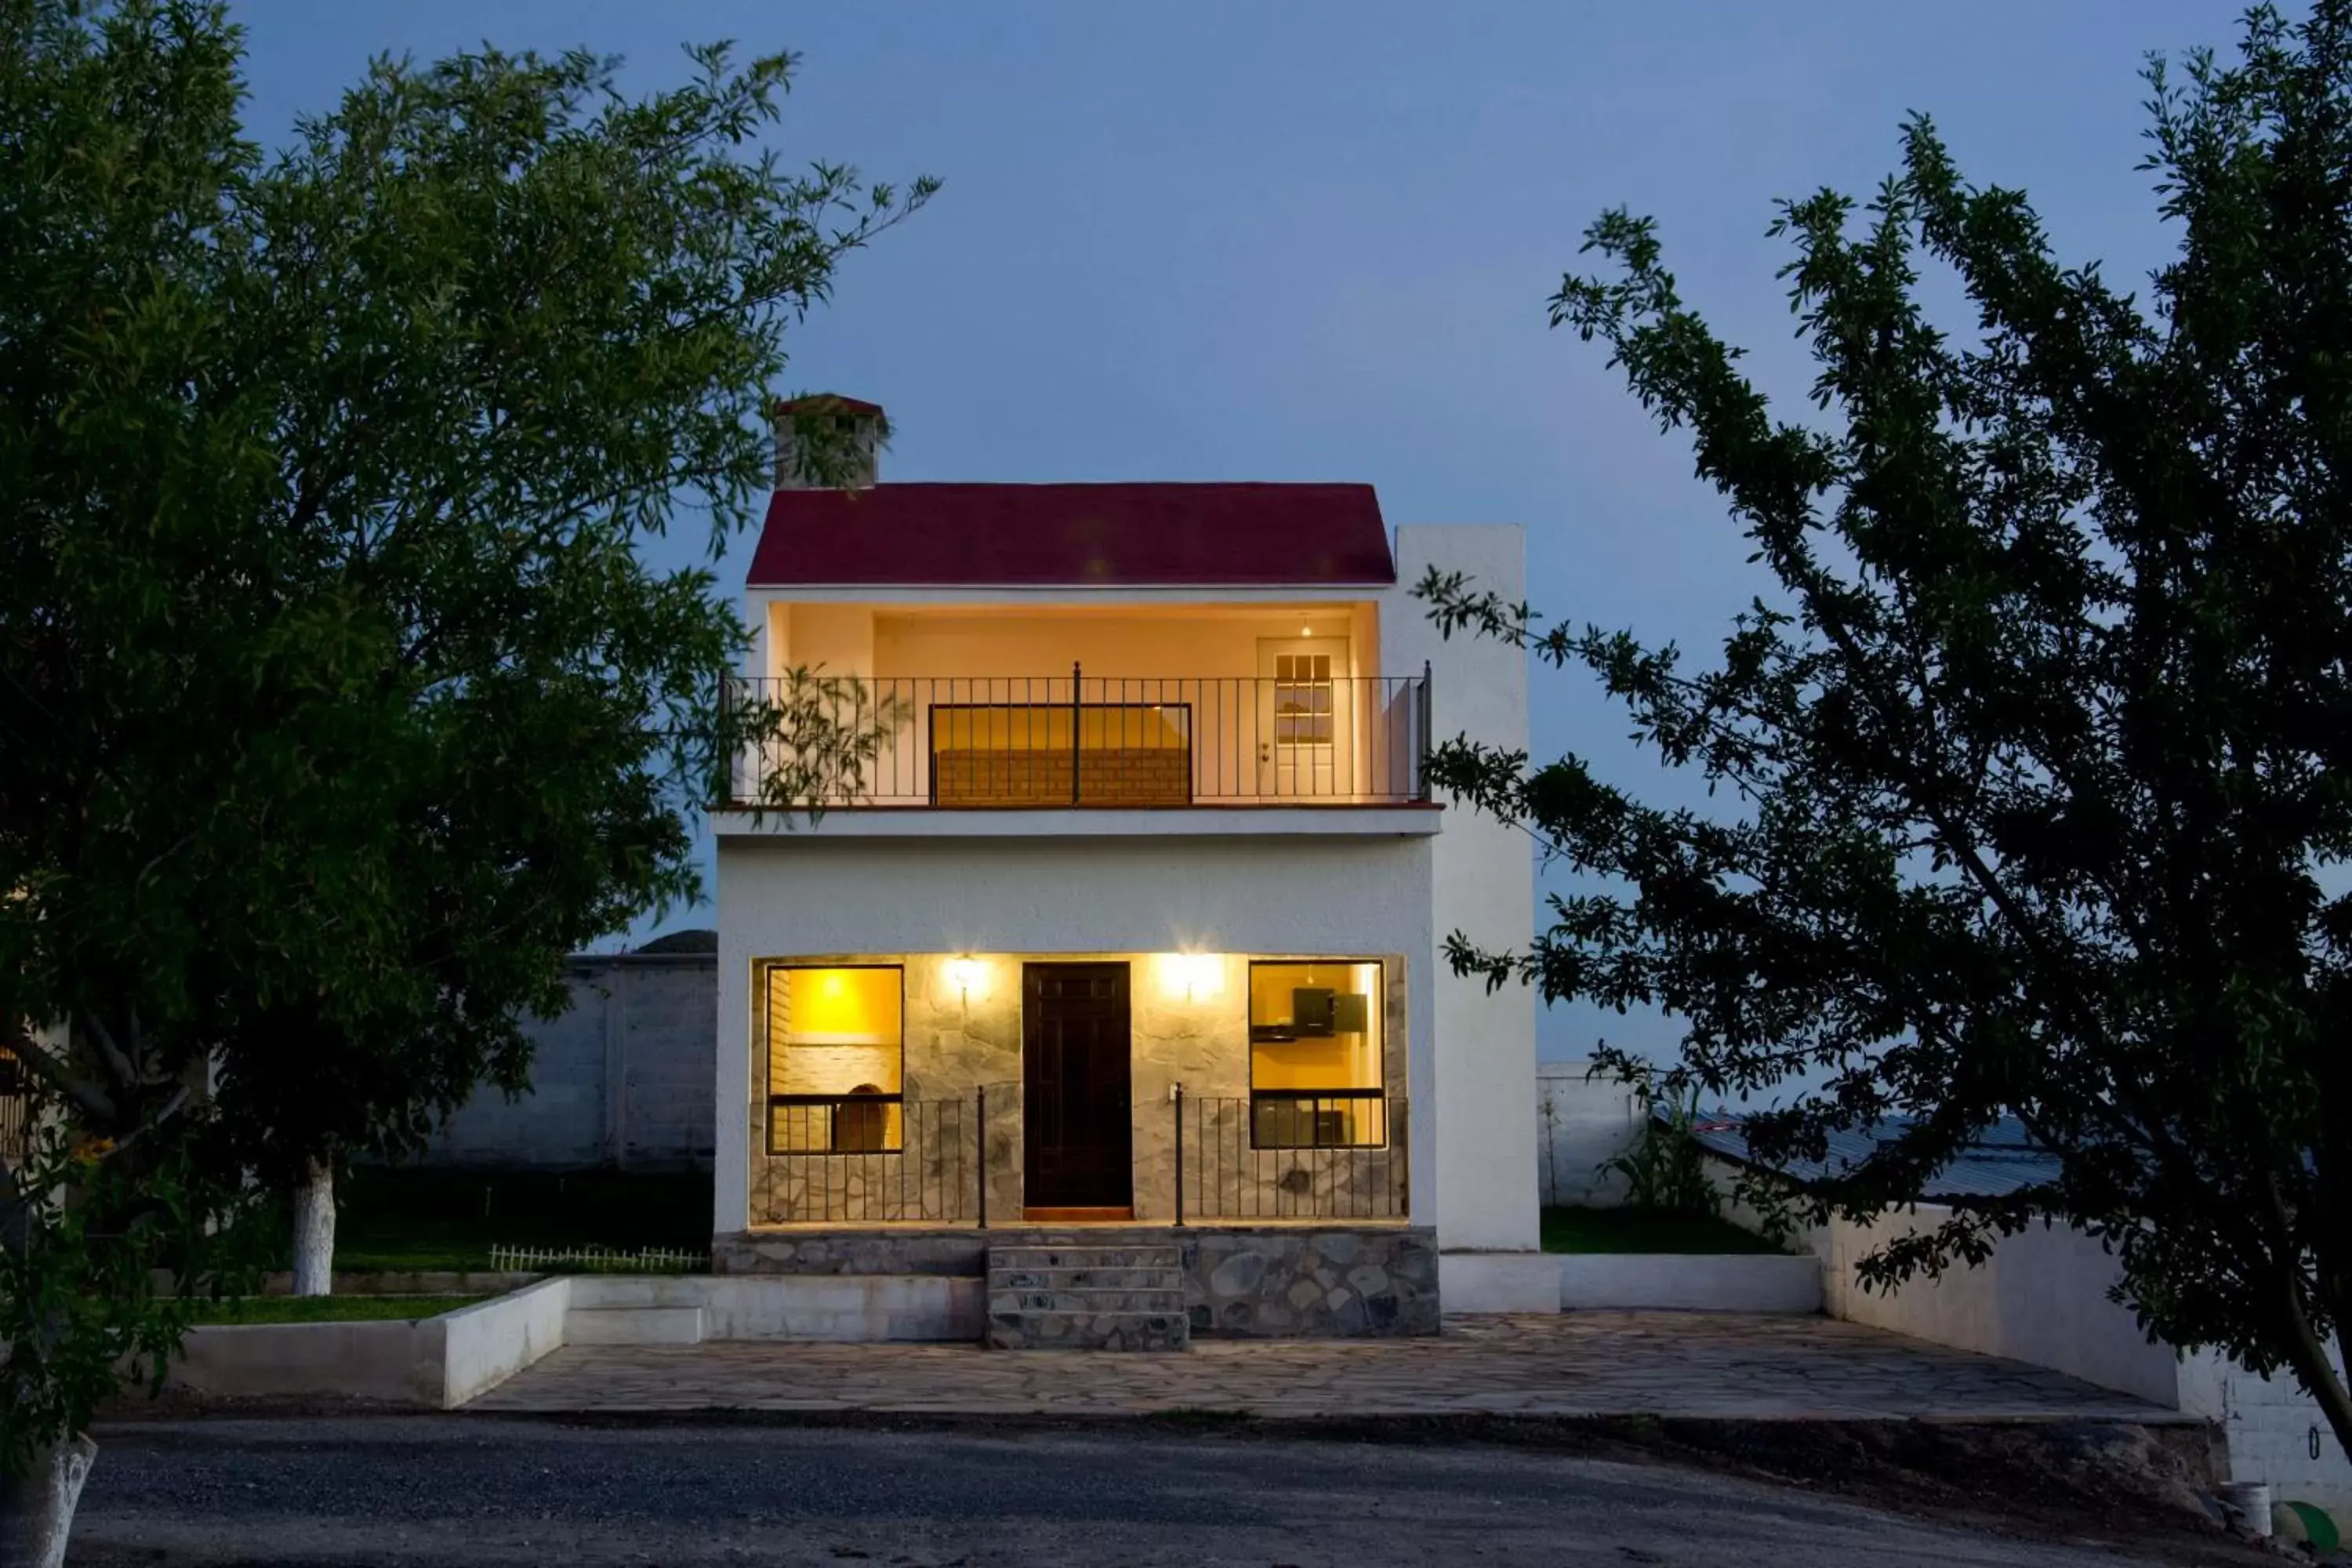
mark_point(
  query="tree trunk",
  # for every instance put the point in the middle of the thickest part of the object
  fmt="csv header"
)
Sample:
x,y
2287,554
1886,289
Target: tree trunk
x,y
314,1231
36,1513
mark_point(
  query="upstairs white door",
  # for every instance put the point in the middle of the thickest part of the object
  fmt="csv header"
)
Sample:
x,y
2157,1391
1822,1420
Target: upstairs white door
x,y
1302,707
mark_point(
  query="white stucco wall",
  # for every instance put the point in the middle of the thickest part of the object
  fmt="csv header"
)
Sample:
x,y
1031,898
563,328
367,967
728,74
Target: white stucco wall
x,y
784,895
1482,885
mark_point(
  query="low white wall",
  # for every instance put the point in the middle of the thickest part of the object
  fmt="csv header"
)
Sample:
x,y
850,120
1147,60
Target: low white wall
x,y
1581,1124
1497,1283
1690,1283
2040,1298
838,1308
397,1361
485,1344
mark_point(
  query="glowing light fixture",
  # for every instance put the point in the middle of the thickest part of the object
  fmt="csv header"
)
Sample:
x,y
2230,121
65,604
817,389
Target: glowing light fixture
x,y
1195,976
968,975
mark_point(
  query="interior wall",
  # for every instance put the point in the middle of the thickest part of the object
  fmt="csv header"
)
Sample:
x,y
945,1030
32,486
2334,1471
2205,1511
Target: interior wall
x,y
837,640
1127,647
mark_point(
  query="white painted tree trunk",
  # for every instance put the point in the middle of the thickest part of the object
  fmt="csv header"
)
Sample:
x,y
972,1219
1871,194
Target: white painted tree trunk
x,y
314,1231
37,1513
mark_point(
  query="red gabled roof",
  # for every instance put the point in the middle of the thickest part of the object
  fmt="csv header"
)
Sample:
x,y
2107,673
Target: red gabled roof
x,y
825,403
1146,536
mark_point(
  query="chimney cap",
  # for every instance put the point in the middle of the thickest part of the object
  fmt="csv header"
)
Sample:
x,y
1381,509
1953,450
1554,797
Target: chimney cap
x,y
826,402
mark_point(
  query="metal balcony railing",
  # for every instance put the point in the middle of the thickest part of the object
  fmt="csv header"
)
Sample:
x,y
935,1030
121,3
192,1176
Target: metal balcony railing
x,y
1270,1155
871,1158
1291,1154
1031,741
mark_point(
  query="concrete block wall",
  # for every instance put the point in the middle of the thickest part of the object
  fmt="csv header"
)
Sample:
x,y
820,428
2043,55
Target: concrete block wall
x,y
1581,1124
2276,1433
622,1078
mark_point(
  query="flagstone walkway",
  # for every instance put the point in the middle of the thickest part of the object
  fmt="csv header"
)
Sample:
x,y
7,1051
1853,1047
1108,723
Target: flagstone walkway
x,y
1690,1365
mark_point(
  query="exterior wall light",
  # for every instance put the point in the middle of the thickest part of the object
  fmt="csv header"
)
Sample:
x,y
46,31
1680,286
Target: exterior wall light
x,y
1194,976
968,975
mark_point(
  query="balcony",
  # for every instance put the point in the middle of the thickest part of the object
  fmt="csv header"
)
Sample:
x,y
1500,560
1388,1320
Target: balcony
x,y
1081,741
883,1159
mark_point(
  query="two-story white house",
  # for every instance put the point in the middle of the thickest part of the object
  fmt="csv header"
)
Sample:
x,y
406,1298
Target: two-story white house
x,y
1128,931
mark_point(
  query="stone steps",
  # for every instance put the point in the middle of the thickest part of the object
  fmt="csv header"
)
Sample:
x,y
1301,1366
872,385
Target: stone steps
x,y
1087,1279
1122,1297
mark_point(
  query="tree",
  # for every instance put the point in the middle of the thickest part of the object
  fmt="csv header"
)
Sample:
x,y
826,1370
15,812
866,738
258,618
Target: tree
x,y
2036,759
337,704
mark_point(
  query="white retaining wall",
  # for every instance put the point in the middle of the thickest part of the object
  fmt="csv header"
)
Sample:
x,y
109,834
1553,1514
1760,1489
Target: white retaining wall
x,y
624,1079
2040,1298
439,1362
486,1343
849,1309
395,1361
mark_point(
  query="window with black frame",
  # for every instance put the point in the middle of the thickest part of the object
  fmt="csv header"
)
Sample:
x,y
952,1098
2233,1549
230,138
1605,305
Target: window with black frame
x,y
836,1058
1316,1075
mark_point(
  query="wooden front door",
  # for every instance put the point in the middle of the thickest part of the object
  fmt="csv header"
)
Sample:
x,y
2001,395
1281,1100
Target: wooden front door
x,y
1075,1124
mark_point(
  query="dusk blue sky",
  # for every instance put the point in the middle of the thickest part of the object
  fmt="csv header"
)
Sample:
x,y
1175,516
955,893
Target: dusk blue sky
x,y
1285,240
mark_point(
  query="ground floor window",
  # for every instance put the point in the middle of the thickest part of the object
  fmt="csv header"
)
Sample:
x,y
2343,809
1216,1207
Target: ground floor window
x,y
836,1055
1317,1078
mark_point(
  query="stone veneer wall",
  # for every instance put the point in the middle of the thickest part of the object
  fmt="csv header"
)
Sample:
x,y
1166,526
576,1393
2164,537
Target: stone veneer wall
x,y
1240,1281
955,1045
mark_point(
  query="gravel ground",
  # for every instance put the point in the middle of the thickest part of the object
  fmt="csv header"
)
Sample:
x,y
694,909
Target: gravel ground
x,y
429,1489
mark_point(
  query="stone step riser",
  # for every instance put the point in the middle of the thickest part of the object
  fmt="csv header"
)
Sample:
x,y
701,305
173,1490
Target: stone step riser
x,y
1084,1257
1089,1331
1163,1303
1076,1297
1085,1279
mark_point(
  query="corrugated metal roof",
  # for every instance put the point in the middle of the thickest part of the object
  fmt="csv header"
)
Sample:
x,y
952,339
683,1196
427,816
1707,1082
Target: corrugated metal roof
x,y
1998,1163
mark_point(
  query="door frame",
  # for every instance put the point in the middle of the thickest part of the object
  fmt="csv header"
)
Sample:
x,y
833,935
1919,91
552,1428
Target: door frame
x,y
1329,770
1032,1015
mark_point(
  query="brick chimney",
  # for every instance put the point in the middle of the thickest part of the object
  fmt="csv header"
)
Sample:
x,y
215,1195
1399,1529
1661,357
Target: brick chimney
x,y
827,442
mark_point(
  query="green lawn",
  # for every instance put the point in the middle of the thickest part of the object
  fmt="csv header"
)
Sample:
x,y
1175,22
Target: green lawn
x,y
450,1219
1645,1230
327,1308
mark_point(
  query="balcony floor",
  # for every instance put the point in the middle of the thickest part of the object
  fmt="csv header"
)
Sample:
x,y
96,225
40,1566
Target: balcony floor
x,y
1319,820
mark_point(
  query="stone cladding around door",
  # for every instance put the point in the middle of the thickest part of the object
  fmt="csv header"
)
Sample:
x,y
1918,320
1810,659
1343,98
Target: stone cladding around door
x,y
1239,1281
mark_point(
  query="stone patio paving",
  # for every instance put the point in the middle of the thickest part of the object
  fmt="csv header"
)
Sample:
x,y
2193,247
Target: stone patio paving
x,y
1720,1365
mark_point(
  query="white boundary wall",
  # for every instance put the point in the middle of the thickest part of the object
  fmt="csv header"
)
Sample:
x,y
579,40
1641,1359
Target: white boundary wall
x,y
1581,1124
